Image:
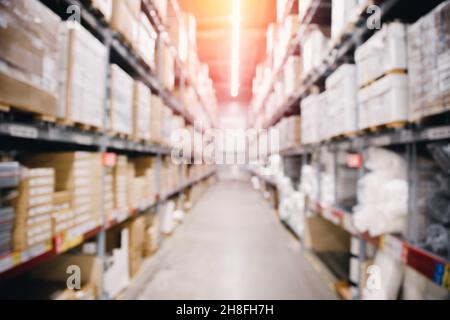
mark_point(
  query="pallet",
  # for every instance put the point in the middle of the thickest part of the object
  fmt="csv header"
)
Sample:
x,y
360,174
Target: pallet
x,y
345,135
391,125
437,115
33,115
120,135
385,74
85,127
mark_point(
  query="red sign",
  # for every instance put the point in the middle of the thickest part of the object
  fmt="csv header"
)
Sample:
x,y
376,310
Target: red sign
x,y
109,159
354,160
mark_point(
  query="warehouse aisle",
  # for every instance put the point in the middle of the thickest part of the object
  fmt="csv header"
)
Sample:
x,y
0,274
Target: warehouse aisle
x,y
230,247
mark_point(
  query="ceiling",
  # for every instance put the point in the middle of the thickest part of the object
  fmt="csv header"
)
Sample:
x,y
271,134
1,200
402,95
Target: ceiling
x,y
214,41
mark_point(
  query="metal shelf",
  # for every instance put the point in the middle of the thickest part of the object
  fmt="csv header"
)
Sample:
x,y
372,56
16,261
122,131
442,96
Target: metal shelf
x,y
433,267
23,260
53,133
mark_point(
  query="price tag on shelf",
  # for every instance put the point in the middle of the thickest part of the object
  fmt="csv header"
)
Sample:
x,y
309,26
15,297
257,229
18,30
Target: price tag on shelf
x,y
6,263
23,132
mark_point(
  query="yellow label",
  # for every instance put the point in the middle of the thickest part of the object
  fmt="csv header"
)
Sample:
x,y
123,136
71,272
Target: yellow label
x,y
381,242
446,278
16,258
70,243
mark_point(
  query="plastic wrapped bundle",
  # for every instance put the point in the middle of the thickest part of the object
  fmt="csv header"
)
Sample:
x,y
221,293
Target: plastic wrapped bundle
x,y
382,194
308,184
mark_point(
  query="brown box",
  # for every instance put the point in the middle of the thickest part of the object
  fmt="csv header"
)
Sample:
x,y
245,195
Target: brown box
x,y
29,52
136,247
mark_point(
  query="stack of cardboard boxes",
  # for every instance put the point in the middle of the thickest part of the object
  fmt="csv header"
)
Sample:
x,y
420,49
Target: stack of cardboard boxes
x,y
121,102
83,76
29,56
141,111
33,208
381,64
63,216
79,174
120,185
125,18
429,63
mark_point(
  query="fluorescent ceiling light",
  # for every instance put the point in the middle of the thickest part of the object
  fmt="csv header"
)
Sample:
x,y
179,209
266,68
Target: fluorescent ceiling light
x,y
235,48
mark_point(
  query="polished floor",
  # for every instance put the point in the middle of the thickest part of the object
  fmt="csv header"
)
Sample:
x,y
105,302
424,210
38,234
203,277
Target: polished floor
x,y
230,247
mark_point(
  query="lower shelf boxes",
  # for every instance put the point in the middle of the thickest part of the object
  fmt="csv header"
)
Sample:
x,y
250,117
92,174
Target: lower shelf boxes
x,y
33,208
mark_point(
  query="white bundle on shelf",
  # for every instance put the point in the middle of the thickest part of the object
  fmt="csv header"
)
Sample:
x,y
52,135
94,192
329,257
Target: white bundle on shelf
x,y
384,102
314,47
121,101
297,218
309,185
168,219
342,13
383,53
382,194
341,96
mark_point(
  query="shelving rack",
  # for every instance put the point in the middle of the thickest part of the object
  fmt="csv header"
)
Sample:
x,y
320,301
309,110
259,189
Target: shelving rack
x,y
409,250
18,130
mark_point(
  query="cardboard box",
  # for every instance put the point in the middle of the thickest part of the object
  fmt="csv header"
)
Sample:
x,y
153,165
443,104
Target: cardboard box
x,y
83,76
342,101
145,42
384,52
78,173
33,208
156,116
29,54
136,246
121,101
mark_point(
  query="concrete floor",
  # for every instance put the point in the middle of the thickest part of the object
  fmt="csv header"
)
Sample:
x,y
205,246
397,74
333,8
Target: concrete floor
x,y
230,247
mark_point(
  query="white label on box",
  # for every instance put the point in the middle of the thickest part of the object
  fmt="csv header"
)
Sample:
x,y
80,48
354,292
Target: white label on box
x,y
23,132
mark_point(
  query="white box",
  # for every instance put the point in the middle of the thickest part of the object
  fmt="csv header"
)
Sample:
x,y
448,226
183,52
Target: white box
x,y
342,11
384,102
315,46
121,101
385,51
313,124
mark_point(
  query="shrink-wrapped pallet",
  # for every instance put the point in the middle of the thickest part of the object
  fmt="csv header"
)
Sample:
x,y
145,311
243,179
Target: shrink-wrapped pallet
x,y
384,102
385,52
83,76
342,102
314,46
141,111
125,18
429,63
